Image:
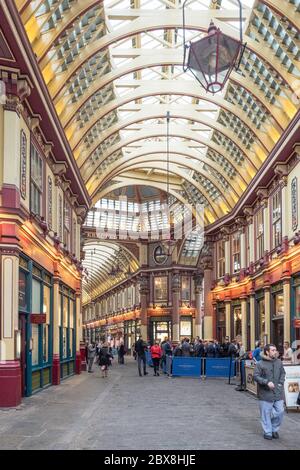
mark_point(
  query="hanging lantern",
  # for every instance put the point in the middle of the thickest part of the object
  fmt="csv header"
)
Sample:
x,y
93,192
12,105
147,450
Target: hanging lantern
x,y
212,58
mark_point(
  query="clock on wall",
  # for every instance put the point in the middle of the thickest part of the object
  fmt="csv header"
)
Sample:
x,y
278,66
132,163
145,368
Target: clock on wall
x,y
159,255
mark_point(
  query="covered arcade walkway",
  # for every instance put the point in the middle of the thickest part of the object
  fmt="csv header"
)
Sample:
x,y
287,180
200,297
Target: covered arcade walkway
x,y
128,412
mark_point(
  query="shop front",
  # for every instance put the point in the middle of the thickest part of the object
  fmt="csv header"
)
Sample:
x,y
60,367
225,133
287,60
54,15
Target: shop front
x,y
132,330
160,327
277,315
35,326
221,322
67,330
260,316
236,320
186,327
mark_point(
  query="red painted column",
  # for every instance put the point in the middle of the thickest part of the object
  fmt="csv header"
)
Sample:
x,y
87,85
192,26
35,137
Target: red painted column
x,y
82,357
56,370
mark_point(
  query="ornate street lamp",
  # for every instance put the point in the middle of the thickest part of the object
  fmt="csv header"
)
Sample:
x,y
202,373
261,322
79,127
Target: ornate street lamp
x,y
212,58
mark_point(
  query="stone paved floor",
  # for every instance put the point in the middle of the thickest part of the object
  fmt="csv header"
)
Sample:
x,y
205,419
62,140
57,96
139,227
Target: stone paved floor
x,y
128,412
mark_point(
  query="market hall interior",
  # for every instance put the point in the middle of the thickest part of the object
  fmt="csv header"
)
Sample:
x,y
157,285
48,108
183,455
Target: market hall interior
x,y
148,188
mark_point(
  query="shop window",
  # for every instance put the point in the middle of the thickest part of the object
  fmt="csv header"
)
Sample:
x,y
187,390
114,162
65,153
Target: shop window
x,y
261,319
68,324
186,328
35,344
185,288
276,220
237,321
36,182
236,252
161,288
46,326
259,233
221,258
278,305
297,299
22,290
36,296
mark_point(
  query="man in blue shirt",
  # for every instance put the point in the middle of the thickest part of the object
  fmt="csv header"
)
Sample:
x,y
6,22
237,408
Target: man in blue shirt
x,y
257,352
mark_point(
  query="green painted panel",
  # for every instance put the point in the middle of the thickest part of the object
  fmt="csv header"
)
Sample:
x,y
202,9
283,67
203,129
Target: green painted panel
x,y
36,380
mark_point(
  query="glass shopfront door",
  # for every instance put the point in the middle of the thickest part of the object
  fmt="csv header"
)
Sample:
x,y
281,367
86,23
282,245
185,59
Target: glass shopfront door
x,y
160,329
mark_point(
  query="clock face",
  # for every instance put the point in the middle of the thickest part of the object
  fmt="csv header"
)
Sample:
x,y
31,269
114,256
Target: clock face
x,y
159,255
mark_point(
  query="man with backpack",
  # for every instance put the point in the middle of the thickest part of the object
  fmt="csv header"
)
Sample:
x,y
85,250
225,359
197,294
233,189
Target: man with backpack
x,y
140,349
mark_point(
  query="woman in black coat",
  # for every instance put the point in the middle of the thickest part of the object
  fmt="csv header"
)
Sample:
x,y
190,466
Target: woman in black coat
x,y
104,359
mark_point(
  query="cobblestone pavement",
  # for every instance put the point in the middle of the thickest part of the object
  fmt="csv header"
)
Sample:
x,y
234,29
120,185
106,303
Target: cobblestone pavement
x,y
128,412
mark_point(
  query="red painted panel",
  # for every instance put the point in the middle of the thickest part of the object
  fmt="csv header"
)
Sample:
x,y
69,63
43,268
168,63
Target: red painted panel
x,y
56,370
10,384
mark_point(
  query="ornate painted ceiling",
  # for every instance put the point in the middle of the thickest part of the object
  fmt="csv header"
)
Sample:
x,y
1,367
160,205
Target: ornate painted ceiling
x,y
114,69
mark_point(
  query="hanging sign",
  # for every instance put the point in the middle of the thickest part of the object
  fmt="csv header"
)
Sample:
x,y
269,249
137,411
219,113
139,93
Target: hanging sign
x,y
38,318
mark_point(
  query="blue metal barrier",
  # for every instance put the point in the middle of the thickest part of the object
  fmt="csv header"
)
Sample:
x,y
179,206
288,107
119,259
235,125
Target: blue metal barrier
x,y
186,366
218,367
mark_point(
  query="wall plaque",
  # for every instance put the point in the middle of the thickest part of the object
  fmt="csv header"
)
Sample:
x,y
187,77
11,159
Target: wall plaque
x,y
38,318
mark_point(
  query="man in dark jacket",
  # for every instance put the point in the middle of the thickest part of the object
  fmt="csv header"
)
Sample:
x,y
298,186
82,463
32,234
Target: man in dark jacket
x,y
140,349
269,375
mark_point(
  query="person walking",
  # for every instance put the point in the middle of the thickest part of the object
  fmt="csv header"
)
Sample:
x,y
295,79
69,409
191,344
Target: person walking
x,y
156,353
140,349
269,374
104,359
91,356
121,353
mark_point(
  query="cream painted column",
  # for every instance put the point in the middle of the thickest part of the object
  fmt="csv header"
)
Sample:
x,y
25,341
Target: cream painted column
x,y
228,317
10,370
284,207
227,257
268,313
198,279
266,213
287,310
244,321
144,291
252,321
175,307
9,302
56,324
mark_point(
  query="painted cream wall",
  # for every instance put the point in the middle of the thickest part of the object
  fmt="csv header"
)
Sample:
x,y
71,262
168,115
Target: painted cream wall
x,y
1,144
288,215
11,162
25,202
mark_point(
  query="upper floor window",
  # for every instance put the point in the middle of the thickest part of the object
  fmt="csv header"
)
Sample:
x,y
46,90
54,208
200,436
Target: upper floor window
x,y
36,181
276,220
67,225
185,288
248,245
236,252
161,288
259,233
221,258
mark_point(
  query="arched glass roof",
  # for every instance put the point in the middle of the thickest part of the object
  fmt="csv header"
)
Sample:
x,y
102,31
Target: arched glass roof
x,y
114,68
100,258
